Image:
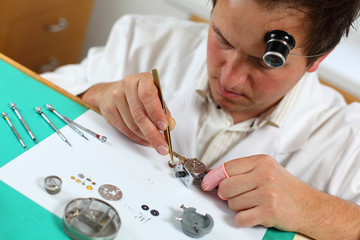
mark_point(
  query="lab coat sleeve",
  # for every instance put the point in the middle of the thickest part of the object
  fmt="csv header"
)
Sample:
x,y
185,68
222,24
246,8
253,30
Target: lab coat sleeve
x,y
349,185
330,160
345,182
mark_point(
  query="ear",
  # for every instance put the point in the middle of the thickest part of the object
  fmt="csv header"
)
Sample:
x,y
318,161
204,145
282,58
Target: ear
x,y
315,65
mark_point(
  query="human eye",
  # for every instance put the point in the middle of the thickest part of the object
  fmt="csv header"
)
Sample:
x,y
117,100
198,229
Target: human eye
x,y
259,62
223,42
220,39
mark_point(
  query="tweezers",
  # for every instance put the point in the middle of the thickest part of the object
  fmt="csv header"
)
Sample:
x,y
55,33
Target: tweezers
x,y
167,131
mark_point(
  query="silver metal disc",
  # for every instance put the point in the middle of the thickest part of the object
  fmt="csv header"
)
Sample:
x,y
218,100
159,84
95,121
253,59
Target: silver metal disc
x,y
110,192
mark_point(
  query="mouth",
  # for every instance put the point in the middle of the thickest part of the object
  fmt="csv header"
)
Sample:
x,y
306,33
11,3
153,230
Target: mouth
x,y
228,94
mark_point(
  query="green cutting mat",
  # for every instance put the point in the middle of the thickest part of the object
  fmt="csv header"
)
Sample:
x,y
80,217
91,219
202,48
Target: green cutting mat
x,y
274,234
27,93
22,218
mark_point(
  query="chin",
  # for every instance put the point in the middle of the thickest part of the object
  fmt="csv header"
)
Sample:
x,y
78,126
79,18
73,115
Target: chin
x,y
229,105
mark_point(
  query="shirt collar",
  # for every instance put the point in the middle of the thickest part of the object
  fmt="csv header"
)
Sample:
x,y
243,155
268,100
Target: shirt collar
x,y
277,116
202,87
274,116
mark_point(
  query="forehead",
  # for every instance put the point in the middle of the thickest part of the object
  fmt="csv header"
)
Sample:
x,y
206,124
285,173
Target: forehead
x,y
247,21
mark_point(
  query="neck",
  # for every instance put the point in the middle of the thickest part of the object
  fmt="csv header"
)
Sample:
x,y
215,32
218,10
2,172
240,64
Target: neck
x,y
243,116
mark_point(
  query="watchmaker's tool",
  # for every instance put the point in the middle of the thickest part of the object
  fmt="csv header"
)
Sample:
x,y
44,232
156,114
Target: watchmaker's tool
x,y
5,116
91,219
194,224
13,107
101,138
38,110
190,170
49,107
167,131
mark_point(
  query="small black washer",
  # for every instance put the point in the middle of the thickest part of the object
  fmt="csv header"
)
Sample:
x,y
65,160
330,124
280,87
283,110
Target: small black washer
x,y
145,207
154,212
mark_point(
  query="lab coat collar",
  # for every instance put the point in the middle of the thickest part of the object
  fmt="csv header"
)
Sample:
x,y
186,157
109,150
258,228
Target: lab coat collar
x,y
202,87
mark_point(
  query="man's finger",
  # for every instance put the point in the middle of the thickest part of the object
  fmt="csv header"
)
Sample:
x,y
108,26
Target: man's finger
x,y
232,168
122,127
237,185
246,164
127,119
250,217
141,118
213,178
149,96
244,201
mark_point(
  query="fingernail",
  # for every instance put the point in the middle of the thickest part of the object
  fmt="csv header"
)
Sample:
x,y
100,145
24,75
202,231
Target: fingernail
x,y
161,125
172,123
222,198
162,150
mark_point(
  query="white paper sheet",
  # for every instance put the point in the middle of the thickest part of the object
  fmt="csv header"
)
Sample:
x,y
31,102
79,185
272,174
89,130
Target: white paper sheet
x,y
142,175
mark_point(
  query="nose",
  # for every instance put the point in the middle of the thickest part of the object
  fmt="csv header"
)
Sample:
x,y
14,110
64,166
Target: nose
x,y
235,70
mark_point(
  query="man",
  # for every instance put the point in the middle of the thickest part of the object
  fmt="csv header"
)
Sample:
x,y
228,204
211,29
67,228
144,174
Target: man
x,y
290,146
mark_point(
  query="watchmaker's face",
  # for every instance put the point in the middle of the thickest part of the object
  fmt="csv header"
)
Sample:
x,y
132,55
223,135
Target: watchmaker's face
x,y
239,79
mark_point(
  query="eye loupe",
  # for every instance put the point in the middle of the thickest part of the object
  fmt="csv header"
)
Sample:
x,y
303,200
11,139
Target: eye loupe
x,y
278,46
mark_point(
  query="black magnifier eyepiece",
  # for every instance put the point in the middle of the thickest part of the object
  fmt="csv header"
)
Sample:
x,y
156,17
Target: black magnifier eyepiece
x,y
278,46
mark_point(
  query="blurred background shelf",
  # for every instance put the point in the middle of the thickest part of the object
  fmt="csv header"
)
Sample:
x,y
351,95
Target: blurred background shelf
x,y
43,34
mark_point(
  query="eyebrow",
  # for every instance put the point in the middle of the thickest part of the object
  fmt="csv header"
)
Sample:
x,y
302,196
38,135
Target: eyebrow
x,y
218,32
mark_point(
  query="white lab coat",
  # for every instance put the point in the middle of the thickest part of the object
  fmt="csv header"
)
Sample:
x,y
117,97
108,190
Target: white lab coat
x,y
319,141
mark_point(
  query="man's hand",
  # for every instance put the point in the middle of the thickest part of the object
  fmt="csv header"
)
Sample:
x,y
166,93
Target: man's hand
x,y
263,193
132,105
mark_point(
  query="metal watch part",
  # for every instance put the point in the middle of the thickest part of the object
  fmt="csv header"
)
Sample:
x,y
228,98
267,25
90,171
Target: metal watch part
x,y
52,184
145,207
90,219
155,212
110,192
194,224
190,170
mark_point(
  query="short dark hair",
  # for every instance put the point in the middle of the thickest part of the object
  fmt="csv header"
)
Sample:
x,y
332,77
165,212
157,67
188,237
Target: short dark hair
x,y
330,20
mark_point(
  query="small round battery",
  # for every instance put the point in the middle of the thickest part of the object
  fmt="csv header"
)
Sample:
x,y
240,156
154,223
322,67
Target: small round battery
x,y
52,184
